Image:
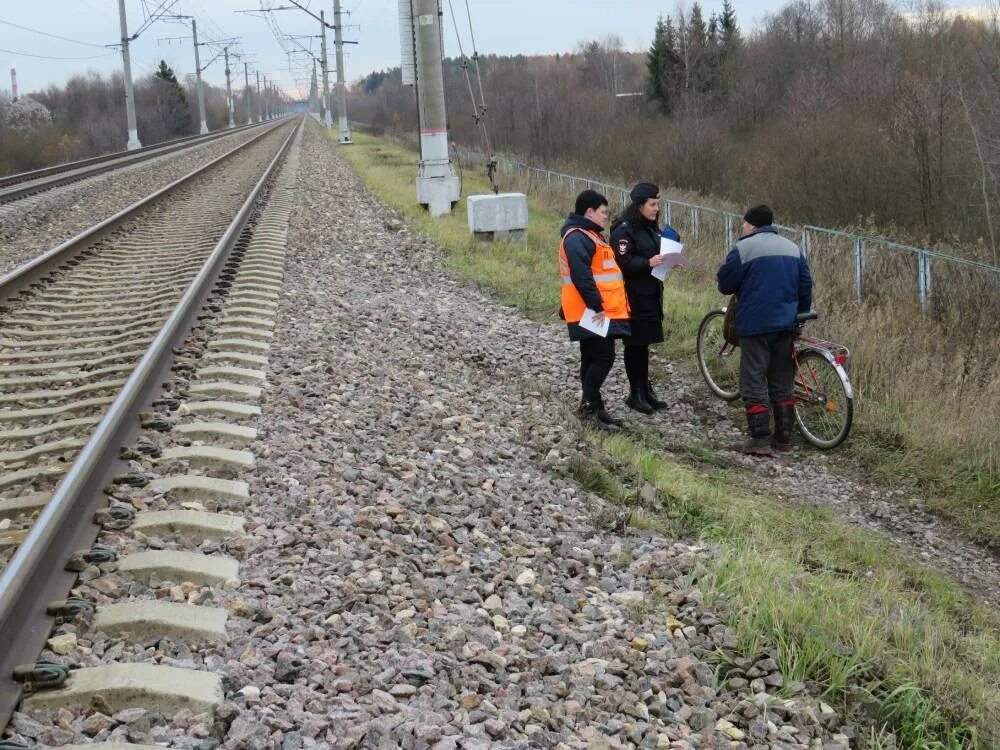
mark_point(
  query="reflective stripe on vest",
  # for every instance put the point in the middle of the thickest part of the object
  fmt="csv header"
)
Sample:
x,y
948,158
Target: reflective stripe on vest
x,y
611,286
597,277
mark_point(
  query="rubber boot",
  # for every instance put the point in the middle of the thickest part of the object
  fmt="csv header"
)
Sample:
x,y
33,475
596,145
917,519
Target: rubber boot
x,y
784,425
652,399
759,425
594,414
637,400
608,419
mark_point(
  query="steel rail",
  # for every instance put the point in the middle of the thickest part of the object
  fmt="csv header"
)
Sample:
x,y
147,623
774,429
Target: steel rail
x,y
26,274
35,576
59,174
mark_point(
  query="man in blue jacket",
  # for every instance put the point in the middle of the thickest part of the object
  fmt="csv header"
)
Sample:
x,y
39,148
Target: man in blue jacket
x,y
770,276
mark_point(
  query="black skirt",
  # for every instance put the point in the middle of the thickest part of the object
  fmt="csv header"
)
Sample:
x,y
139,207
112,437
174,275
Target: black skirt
x,y
645,332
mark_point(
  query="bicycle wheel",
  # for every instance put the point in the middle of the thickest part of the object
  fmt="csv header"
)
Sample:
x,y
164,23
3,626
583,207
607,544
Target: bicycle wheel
x,y
823,410
718,360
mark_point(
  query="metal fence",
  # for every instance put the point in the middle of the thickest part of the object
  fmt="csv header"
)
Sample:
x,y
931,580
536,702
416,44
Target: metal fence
x,y
866,254
699,220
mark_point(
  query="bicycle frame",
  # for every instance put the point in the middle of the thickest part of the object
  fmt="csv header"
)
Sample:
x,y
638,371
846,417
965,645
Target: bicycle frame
x,y
836,354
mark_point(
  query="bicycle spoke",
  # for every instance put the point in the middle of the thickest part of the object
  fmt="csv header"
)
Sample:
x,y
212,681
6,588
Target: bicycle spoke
x,y
823,410
718,360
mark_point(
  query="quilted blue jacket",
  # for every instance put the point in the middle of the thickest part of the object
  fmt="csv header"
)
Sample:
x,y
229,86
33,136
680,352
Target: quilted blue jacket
x,y
770,276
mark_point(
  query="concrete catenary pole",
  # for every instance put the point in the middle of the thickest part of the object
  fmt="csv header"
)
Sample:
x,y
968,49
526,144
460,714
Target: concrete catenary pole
x,y
133,133
246,90
327,117
13,84
343,133
229,88
314,90
263,102
438,186
260,105
197,69
321,105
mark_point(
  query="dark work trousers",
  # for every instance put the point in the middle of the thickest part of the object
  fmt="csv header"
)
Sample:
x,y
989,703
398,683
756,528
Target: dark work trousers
x,y
596,357
766,370
637,364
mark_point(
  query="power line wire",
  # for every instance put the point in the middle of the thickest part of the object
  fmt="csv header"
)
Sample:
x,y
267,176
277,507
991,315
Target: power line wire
x,y
49,57
54,36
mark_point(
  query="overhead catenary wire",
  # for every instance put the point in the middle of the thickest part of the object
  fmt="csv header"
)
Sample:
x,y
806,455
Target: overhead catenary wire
x,y
47,33
478,108
475,57
50,57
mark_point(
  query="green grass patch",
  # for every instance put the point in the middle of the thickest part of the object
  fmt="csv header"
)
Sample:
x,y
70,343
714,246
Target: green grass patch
x,y
519,274
843,608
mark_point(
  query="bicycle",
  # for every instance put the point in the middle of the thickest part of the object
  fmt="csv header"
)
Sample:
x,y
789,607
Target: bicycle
x,y
824,397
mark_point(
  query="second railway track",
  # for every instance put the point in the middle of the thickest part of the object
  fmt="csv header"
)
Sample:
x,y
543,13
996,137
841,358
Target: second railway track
x,y
17,186
85,332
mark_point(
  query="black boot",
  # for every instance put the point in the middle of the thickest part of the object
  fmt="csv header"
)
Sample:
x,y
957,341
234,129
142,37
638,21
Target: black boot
x,y
594,414
637,400
784,425
607,419
652,399
759,424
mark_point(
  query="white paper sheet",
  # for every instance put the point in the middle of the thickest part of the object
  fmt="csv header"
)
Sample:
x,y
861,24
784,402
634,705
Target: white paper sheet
x,y
668,245
587,323
674,256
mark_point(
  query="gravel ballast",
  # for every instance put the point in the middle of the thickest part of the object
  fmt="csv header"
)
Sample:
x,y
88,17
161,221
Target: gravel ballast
x,y
422,578
418,574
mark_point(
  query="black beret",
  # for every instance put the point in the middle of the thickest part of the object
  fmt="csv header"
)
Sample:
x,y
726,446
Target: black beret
x,y
644,191
759,216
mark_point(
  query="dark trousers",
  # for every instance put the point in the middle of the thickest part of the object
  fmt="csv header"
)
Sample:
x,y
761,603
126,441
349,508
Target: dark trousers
x,y
636,358
597,355
766,369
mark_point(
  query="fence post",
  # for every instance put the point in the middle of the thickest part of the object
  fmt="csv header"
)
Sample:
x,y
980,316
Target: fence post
x,y
928,262
922,278
858,268
668,212
694,223
729,230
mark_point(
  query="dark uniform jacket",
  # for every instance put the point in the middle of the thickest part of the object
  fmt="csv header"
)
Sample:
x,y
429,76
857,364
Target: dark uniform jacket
x,y
770,276
633,247
580,254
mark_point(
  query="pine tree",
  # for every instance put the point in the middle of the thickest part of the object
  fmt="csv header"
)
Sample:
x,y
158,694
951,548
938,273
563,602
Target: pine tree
x,y
698,78
165,73
697,33
730,46
729,30
673,64
171,101
655,66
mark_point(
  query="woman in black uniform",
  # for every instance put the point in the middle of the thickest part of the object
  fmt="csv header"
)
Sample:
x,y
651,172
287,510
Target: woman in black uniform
x,y
635,238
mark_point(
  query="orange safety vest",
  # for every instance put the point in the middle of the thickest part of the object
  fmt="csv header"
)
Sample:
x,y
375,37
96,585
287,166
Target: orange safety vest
x,y
607,275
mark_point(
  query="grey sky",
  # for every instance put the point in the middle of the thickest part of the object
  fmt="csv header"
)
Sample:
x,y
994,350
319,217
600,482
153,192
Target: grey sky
x,y
500,26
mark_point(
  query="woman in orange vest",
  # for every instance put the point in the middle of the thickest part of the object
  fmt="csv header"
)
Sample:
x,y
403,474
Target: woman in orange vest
x,y
592,279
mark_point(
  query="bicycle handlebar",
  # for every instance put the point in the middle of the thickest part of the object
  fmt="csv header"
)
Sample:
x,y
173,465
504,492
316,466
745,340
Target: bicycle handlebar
x,y
803,317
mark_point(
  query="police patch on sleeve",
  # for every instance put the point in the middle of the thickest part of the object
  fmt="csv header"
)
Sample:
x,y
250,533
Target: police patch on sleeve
x,y
623,246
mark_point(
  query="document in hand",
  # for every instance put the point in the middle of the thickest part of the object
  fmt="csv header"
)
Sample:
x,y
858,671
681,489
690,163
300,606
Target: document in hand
x,y
674,256
587,323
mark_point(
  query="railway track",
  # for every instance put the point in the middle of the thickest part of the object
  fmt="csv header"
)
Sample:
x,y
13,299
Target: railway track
x,y
96,348
17,186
